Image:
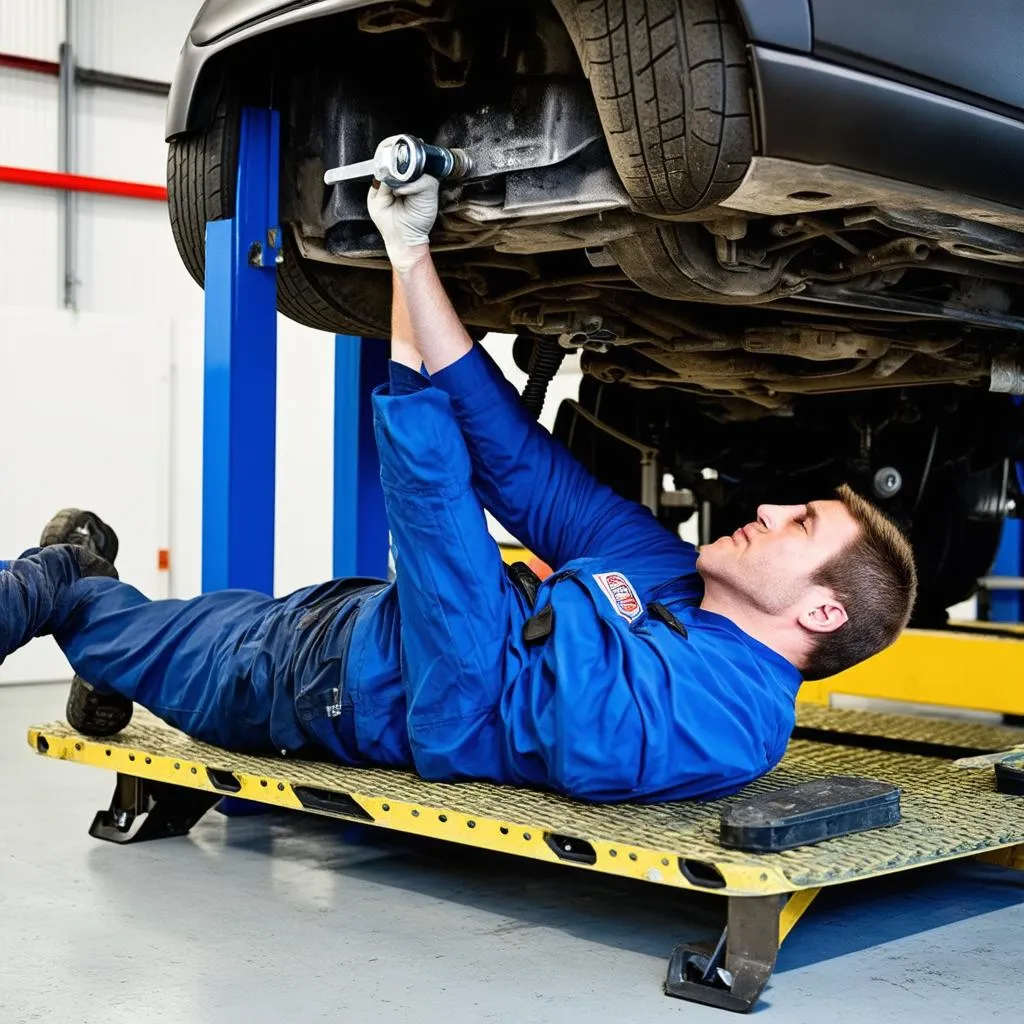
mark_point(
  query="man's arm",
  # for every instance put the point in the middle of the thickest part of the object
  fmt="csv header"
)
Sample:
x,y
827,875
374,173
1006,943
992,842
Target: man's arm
x,y
530,483
403,340
424,318
428,332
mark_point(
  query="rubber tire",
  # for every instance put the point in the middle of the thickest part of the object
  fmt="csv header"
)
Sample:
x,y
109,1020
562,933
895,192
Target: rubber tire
x,y
202,175
672,87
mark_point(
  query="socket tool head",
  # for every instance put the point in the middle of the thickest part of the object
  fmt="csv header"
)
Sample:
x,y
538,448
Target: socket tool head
x,y
403,159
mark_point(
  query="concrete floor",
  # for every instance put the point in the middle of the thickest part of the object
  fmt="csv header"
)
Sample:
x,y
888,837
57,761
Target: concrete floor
x,y
293,918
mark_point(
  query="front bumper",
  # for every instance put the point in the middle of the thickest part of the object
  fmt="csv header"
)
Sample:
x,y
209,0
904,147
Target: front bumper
x,y
223,24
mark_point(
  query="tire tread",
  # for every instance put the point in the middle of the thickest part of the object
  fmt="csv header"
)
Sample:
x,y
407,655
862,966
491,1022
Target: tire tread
x,y
201,185
671,83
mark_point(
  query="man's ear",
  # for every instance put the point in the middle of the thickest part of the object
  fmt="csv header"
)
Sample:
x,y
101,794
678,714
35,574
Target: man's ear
x,y
823,612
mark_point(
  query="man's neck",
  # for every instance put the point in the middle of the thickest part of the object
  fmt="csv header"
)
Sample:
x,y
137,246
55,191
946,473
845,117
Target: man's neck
x,y
767,629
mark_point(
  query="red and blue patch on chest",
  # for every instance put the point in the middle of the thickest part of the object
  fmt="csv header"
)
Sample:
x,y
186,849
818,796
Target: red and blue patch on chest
x,y
621,593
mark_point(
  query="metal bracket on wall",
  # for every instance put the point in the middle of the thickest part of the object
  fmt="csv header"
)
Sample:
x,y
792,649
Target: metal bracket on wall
x,y
66,125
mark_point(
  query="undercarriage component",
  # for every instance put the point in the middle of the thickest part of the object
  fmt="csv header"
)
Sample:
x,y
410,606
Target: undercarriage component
x,y
597,216
543,363
767,366
909,305
537,155
972,240
538,124
679,261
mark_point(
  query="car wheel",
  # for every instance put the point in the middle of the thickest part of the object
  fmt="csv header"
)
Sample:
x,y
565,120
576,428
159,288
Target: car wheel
x,y
672,87
202,172
953,550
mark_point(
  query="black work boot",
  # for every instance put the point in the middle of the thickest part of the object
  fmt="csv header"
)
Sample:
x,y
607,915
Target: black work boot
x,y
84,530
95,545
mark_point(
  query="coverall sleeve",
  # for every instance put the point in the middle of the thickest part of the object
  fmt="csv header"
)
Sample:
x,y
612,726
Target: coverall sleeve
x,y
402,380
30,594
536,489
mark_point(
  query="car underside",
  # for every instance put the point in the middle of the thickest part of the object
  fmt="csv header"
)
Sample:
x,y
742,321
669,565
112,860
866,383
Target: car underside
x,y
769,326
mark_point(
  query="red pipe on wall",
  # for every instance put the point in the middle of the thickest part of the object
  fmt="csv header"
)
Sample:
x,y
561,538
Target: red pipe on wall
x,y
85,76
81,183
40,67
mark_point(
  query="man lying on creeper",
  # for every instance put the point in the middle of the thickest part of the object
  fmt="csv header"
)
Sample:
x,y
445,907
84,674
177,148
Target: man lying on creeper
x,y
642,669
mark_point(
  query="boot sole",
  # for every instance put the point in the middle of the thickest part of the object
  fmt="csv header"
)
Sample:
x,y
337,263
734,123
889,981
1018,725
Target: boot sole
x,y
96,714
63,527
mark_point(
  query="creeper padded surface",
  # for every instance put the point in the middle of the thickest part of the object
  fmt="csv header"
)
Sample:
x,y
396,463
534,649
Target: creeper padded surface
x,y
933,732
947,812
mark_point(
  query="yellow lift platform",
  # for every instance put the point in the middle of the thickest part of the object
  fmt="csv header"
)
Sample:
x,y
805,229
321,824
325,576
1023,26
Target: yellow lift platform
x,y
970,667
166,782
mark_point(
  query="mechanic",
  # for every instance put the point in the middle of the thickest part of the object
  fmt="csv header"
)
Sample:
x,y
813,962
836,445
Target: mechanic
x,y
641,669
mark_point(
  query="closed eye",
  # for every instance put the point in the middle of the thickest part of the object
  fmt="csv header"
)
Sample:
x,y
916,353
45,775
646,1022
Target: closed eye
x,y
809,518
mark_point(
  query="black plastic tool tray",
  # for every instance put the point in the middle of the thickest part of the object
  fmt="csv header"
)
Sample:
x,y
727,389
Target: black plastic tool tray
x,y
809,813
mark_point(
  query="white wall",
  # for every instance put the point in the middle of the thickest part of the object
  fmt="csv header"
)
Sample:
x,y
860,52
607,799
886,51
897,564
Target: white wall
x,y
73,387
138,325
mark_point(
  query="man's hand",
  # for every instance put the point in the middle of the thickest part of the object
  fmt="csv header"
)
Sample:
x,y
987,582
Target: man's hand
x,y
404,217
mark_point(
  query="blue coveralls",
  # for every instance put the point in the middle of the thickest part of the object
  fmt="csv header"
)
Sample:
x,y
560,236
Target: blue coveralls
x,y
432,670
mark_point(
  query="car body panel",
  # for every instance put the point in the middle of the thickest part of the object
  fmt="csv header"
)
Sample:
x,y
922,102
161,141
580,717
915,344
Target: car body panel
x,y
970,45
782,23
218,18
222,24
821,113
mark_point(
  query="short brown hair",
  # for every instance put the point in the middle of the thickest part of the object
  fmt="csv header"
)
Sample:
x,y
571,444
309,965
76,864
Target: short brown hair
x,y
875,578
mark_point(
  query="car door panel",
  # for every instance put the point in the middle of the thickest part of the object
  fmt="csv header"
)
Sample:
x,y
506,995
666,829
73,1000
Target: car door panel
x,y
782,23
973,46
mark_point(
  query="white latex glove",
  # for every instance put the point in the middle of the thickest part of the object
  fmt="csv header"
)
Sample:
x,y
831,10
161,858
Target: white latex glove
x,y
404,217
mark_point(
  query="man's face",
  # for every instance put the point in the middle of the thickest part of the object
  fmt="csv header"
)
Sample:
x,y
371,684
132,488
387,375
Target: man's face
x,y
771,561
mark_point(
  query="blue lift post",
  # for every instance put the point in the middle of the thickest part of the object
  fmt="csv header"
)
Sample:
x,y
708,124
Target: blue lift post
x,y
240,379
360,523
240,399
240,403
1008,605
